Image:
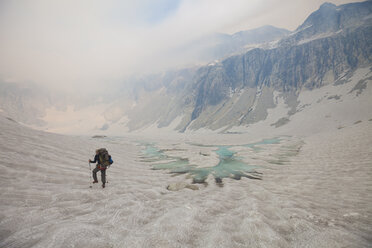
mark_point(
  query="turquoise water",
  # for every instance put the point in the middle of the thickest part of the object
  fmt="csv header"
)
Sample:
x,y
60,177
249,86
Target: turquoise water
x,y
224,152
229,166
176,166
152,151
263,142
152,154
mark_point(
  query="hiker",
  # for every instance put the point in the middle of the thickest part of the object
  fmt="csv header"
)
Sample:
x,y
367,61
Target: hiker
x,y
103,160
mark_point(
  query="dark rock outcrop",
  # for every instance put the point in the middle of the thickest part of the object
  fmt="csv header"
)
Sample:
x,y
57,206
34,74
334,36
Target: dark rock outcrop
x,y
333,41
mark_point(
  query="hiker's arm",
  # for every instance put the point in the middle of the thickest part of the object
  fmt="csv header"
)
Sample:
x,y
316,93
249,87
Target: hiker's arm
x,y
95,160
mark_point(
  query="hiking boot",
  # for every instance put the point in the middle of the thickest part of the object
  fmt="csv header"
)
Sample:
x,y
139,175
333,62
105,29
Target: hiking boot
x,y
95,181
103,185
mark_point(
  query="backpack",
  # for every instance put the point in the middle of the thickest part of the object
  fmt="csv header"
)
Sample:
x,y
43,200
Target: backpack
x,y
105,159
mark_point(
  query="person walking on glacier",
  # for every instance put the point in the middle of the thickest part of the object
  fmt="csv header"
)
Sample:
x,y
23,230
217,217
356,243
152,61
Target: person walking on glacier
x,y
103,160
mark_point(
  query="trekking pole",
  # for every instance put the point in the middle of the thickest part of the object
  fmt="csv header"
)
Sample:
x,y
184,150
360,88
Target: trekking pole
x,y
91,182
106,175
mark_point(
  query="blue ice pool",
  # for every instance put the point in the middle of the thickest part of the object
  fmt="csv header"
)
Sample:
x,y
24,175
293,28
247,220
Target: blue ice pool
x,y
229,166
263,142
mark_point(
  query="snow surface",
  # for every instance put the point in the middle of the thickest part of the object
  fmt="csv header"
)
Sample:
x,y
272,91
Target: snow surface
x,y
74,120
320,110
315,192
315,189
317,37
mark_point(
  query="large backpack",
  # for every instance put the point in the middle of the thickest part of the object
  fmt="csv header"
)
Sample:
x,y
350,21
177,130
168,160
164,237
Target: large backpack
x,y
104,158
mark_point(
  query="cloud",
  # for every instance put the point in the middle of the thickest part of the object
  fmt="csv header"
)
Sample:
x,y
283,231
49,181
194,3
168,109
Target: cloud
x,y
89,43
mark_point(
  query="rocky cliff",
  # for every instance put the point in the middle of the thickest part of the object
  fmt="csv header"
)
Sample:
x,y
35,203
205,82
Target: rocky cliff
x,y
331,43
239,90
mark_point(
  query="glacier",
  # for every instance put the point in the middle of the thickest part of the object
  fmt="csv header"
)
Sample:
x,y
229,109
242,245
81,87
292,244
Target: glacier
x,y
315,192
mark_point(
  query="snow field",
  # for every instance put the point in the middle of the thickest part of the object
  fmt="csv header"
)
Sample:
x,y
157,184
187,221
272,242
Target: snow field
x,y
318,198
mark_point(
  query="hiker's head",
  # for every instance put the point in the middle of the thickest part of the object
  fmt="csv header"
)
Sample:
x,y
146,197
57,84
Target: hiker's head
x,y
97,151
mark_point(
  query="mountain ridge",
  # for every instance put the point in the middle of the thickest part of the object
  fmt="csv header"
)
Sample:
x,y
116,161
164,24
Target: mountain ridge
x,y
288,67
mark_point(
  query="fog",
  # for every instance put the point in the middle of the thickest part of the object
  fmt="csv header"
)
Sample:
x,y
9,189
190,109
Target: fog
x,y
281,159
85,45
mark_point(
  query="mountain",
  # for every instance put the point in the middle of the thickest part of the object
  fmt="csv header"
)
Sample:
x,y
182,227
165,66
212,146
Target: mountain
x,y
24,104
329,48
330,18
219,46
262,75
31,104
259,35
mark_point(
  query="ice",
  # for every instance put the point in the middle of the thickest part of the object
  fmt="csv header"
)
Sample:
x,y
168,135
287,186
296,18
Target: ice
x,y
316,37
318,197
315,189
228,166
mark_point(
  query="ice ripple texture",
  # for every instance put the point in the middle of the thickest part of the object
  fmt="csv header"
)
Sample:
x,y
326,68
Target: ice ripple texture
x,y
319,197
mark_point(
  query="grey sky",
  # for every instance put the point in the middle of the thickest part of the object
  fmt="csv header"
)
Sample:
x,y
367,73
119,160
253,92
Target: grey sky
x,y
287,14
80,44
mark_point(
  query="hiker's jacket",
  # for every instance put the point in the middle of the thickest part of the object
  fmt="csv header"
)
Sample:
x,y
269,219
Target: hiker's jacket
x,y
96,159
99,164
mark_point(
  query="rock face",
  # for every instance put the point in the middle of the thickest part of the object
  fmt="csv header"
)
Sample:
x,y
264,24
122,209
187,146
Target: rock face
x,y
333,41
330,45
221,45
25,105
331,18
285,69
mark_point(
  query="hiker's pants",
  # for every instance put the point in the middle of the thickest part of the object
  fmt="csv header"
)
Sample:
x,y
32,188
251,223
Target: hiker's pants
x,y
103,174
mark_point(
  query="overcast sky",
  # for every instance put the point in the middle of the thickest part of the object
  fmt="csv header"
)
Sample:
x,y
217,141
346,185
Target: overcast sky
x,y
86,43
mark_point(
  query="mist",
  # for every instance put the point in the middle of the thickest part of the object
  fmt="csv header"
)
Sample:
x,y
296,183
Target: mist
x,y
87,45
231,123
